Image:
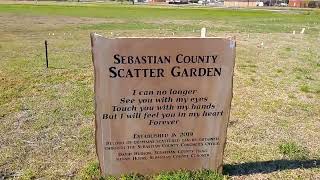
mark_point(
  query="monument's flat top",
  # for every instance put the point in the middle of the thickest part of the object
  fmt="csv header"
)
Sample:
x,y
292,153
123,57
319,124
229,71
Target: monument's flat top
x,y
111,38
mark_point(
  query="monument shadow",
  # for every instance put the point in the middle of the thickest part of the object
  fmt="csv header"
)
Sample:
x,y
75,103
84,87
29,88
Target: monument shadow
x,y
265,167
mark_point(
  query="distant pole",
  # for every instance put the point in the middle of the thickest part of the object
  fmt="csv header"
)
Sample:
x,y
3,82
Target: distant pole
x,y
46,47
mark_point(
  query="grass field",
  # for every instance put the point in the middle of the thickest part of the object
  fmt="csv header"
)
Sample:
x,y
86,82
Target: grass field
x,y
46,115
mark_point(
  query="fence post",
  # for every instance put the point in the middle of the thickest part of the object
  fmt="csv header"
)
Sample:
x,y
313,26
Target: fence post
x,y
46,47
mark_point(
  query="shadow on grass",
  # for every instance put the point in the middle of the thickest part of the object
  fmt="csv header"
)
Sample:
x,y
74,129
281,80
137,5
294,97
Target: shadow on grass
x,y
268,166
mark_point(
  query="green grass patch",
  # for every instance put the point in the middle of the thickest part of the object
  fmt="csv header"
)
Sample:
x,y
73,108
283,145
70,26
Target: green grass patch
x,y
140,26
91,171
292,150
314,88
305,88
238,20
